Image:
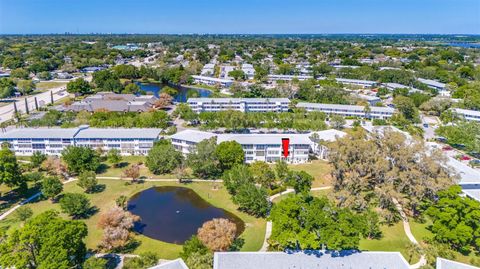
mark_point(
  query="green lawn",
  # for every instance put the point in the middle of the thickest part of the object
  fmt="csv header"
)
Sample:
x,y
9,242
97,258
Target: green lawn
x,y
319,169
393,239
46,85
253,234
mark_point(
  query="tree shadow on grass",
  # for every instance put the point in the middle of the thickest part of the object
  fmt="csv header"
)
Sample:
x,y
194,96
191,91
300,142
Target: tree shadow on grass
x,y
98,188
102,168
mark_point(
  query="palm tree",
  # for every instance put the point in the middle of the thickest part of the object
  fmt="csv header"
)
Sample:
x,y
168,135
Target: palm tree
x,y
413,249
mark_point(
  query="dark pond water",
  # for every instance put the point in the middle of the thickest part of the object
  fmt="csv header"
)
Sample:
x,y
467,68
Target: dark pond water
x,y
183,92
174,214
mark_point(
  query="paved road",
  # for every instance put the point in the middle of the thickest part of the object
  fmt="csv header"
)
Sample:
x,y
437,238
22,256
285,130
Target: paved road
x,y
6,112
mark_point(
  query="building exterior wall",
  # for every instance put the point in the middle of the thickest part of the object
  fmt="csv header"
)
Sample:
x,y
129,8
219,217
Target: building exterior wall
x,y
270,153
198,105
346,111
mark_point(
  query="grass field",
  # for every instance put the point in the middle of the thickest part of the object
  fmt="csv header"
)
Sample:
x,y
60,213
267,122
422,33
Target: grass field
x,y
253,234
46,85
393,239
320,170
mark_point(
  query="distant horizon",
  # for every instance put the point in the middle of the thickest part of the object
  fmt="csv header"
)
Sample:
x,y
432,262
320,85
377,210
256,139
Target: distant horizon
x,y
245,34
442,17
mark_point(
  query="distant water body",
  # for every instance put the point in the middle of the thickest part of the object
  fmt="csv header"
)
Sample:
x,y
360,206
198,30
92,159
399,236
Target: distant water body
x,y
183,92
464,45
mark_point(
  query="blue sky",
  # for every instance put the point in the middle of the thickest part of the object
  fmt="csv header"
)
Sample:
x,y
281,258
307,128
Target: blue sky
x,y
241,16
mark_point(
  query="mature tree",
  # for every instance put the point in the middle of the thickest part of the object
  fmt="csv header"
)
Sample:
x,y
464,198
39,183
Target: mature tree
x,y
462,133
407,108
217,234
116,224
19,73
87,180
54,166
10,173
384,166
185,112
51,187
200,260
45,241
37,158
23,213
169,90
312,223
114,157
456,219
163,158
301,181
121,201
126,71
237,74
95,263
75,204
7,87
263,174
132,88
237,176
203,159
192,245
281,170
164,100
80,159
337,122
133,172
106,80
79,86
252,199
229,153
146,260
25,86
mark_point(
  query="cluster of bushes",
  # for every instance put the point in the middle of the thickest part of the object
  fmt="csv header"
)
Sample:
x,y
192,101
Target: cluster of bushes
x,y
104,119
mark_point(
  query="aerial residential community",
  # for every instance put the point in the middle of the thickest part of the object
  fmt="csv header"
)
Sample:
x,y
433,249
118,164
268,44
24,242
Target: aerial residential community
x,y
282,135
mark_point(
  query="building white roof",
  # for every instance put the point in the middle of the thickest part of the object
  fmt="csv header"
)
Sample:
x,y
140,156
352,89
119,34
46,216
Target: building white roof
x,y
29,133
276,76
448,264
175,264
265,139
308,260
467,112
329,135
345,107
151,133
433,83
192,135
368,97
355,81
219,80
238,100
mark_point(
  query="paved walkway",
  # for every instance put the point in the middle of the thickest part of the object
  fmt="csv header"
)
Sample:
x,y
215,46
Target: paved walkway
x,y
29,199
408,232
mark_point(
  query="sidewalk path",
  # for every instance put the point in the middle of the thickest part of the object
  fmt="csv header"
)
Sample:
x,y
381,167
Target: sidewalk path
x,y
408,232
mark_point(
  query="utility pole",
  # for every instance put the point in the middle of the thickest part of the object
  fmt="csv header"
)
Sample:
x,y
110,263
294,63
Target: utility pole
x,y
36,103
26,106
51,97
15,110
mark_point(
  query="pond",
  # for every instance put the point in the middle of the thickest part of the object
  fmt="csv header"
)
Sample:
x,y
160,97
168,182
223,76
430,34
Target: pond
x,y
174,214
183,92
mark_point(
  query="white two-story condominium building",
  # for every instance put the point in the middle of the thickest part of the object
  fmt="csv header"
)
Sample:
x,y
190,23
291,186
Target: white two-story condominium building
x,y
262,147
239,104
467,114
52,141
349,110
212,81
